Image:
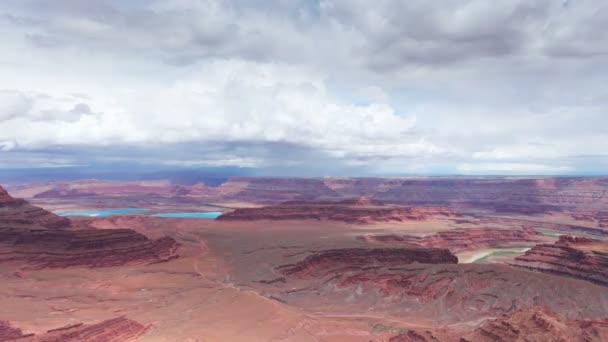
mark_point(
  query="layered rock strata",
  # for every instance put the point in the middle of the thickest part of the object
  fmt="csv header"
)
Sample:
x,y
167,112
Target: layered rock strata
x,y
120,329
19,213
351,211
458,240
580,258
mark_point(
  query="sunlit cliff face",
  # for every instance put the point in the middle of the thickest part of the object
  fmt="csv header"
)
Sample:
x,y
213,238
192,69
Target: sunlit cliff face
x,y
308,87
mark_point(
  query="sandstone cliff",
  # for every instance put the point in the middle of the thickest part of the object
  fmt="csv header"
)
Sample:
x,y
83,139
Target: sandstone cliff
x,y
16,213
580,258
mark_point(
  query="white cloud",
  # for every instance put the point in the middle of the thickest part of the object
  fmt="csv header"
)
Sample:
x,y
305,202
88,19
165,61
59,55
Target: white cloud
x,y
514,168
511,86
220,101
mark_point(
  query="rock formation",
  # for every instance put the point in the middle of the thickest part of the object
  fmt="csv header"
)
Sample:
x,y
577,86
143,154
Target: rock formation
x,y
416,336
580,258
9,333
351,211
29,239
446,293
16,213
507,193
118,329
536,324
43,248
457,240
321,263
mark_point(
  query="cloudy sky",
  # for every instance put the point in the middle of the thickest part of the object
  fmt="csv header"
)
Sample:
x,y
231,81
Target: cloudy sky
x,y
309,87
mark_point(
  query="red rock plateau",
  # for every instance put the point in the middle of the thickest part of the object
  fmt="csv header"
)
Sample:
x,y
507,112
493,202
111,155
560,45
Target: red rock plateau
x,y
560,192
351,211
458,240
446,293
118,329
19,213
43,248
33,238
327,261
284,266
575,257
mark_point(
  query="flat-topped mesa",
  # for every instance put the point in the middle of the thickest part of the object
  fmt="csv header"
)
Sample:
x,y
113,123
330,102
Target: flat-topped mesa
x,y
350,211
27,241
539,324
327,261
457,240
274,190
574,257
445,293
43,248
119,329
16,213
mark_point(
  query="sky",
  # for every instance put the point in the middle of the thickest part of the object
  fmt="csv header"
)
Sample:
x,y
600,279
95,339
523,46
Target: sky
x,y
307,87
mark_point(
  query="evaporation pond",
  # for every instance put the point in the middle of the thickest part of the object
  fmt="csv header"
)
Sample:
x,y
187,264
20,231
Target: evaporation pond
x,y
203,215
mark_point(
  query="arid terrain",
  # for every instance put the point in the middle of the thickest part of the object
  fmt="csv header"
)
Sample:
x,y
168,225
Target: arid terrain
x,y
320,259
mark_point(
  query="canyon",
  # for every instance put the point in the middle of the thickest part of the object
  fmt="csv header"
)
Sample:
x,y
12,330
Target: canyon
x,y
325,259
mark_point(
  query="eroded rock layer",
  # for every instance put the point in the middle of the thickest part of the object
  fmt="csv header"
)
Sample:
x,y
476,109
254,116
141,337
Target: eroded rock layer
x,y
118,329
457,240
42,248
327,261
19,213
447,293
9,333
539,325
580,258
352,211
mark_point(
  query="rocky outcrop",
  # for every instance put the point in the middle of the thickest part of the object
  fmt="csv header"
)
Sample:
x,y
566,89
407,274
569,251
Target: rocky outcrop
x,y
28,239
353,258
120,329
575,257
445,293
351,211
9,333
44,248
458,240
16,213
537,324
415,336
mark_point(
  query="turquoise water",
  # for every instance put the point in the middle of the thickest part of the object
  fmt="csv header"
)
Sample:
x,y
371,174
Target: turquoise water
x,y
205,215
103,212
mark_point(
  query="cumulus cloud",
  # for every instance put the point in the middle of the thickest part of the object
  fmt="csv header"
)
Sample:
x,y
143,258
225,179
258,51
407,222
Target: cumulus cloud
x,y
394,87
